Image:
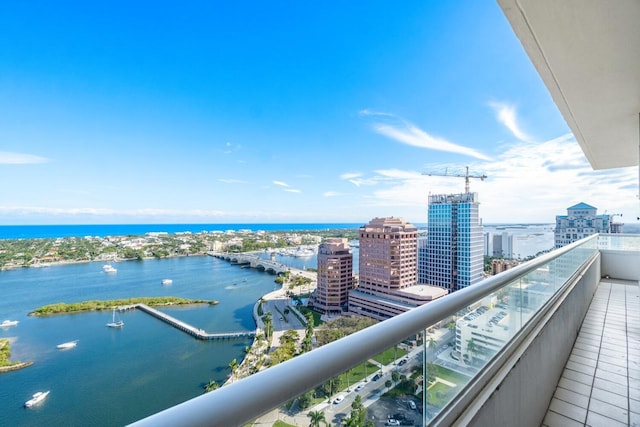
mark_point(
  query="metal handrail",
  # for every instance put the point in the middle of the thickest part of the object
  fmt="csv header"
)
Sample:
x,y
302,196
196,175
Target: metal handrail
x,y
253,396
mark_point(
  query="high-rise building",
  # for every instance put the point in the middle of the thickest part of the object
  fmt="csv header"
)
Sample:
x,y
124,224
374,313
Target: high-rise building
x,y
455,241
422,260
580,221
388,272
335,276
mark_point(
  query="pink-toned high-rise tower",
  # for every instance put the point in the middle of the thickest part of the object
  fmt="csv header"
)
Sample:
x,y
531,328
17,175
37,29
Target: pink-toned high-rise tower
x,y
388,270
335,276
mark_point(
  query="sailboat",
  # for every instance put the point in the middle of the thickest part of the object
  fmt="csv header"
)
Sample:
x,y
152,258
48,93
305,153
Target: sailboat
x,y
115,323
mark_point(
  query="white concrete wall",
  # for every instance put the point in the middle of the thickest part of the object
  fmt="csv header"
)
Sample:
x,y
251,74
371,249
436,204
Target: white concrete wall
x,y
621,264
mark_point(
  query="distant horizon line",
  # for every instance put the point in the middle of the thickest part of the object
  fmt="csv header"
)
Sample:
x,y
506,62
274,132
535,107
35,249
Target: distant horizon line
x,y
238,223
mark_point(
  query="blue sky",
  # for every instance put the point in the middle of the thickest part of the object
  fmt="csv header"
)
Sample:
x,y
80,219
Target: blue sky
x,y
223,112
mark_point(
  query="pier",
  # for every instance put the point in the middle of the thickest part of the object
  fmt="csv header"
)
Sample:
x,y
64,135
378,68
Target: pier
x,y
185,327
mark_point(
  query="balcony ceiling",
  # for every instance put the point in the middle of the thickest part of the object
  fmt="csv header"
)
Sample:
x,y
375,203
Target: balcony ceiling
x,y
588,55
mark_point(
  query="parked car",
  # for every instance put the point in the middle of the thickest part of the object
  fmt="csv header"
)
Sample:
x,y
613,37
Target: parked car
x,y
339,398
376,377
392,422
411,404
402,362
359,387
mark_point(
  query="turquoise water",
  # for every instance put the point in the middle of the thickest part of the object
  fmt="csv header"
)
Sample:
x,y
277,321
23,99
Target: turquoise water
x,y
114,377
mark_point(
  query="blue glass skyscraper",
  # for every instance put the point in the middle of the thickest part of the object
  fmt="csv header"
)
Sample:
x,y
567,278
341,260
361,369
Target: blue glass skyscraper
x,y
455,242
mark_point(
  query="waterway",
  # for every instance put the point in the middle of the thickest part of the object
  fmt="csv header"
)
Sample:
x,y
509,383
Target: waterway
x,y
116,376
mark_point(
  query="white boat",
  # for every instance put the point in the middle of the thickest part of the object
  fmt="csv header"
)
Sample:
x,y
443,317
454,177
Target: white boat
x,y
167,281
108,268
7,323
115,323
67,345
36,398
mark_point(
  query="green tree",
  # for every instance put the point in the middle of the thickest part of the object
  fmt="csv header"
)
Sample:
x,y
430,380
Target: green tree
x,y
211,385
317,417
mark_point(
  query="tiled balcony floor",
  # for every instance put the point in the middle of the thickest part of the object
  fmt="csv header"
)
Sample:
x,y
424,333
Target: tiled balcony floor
x,y
600,384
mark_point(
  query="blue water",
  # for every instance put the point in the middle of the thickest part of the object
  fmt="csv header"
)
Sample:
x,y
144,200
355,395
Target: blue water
x,y
102,230
114,377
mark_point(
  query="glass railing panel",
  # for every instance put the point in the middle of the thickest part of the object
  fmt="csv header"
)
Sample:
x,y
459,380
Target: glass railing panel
x,y
621,242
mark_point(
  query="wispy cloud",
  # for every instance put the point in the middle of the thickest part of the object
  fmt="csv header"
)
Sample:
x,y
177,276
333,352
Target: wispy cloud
x,y
350,175
401,130
292,190
9,158
332,194
506,114
280,183
231,181
528,182
230,147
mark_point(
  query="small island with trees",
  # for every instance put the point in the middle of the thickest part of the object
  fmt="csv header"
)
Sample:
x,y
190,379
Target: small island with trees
x,y
7,365
98,305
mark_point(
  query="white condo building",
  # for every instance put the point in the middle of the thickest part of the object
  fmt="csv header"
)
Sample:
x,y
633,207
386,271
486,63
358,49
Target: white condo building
x,y
455,241
580,221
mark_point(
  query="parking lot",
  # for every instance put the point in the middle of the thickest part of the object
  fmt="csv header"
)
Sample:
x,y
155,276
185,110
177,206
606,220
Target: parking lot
x,y
379,411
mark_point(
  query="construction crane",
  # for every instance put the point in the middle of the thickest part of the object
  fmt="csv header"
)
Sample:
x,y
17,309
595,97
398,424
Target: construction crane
x,y
466,177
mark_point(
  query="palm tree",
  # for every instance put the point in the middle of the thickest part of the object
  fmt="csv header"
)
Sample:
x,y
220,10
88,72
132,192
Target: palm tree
x,y
432,344
212,385
233,365
316,418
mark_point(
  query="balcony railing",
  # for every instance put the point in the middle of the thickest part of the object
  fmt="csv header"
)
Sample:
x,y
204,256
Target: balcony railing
x,y
489,317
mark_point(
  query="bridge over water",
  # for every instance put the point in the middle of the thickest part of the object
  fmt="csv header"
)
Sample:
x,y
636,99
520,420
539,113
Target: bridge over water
x,y
254,261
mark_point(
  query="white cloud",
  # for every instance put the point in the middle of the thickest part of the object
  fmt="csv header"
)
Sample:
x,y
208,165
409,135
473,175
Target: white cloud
x,y
232,181
292,190
506,114
361,181
9,158
528,182
280,183
332,194
350,175
405,132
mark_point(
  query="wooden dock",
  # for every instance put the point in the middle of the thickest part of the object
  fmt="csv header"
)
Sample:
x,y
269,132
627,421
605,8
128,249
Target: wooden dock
x,y
185,327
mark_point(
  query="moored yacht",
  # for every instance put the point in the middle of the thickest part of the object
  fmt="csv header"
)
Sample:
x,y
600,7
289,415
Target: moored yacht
x,y
108,268
7,323
67,345
36,398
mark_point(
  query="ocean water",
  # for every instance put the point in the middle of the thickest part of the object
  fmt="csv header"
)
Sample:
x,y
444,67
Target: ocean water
x,y
114,377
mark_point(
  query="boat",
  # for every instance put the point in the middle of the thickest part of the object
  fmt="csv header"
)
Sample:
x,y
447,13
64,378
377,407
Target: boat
x,y
67,345
115,323
108,268
7,323
36,398
167,281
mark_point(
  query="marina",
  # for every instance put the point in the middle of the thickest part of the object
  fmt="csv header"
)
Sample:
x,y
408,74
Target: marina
x,y
148,361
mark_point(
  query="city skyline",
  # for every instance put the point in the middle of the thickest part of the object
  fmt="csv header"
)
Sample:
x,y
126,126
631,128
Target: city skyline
x,y
236,113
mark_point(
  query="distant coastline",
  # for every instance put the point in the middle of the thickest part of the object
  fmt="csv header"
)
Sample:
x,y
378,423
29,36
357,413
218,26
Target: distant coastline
x,y
104,230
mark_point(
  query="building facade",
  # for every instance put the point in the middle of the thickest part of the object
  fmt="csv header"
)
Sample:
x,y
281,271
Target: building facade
x,y
580,221
455,241
388,271
335,276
